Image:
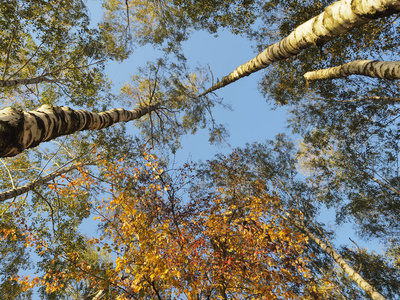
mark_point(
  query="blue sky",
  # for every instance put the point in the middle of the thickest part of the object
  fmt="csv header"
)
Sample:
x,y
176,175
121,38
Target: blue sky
x,y
251,119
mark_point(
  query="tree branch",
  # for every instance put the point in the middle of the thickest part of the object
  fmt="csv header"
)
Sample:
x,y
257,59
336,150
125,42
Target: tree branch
x,y
30,186
388,186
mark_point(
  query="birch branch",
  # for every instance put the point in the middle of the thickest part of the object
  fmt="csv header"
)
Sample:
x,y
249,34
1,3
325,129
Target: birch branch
x,y
384,184
21,130
30,186
35,80
376,69
338,18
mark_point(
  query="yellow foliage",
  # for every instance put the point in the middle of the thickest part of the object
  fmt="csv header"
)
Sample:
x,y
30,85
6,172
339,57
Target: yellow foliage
x,y
228,242
224,243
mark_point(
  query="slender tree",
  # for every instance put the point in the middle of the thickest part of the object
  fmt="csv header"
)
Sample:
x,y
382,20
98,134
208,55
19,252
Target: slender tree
x,y
21,130
338,18
35,80
354,275
376,69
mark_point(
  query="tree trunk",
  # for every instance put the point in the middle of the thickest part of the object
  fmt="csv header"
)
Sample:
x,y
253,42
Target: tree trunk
x,y
99,295
30,186
384,184
21,130
338,18
14,82
362,283
376,69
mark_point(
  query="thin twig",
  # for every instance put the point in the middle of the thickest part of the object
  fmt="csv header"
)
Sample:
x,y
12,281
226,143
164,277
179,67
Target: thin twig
x,y
27,62
49,205
8,53
9,173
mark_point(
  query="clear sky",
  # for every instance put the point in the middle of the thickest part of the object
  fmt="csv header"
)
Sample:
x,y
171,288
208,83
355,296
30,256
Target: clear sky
x,y
251,119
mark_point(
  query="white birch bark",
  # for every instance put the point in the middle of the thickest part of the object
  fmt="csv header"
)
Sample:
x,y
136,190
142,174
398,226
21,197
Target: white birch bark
x,y
362,283
377,69
384,184
30,186
35,80
338,18
21,130
99,295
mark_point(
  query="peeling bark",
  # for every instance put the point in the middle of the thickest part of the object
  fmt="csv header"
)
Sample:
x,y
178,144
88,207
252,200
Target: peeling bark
x,y
377,69
338,18
14,82
361,282
30,186
22,130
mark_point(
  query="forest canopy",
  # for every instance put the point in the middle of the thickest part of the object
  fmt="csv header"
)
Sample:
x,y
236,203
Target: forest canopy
x,y
93,205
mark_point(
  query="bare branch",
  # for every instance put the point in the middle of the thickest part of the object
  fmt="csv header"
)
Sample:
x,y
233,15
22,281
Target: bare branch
x,y
9,173
27,62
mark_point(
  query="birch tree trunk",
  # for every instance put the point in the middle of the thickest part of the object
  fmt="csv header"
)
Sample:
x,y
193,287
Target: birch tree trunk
x,y
377,69
30,186
99,295
21,130
362,283
35,80
384,184
338,18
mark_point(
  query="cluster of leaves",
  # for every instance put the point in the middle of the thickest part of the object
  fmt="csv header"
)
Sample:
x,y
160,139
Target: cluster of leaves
x,y
349,126
52,41
12,236
168,23
181,111
225,236
169,240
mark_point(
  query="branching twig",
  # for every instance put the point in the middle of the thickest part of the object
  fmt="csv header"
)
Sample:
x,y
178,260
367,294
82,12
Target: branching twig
x,y
8,53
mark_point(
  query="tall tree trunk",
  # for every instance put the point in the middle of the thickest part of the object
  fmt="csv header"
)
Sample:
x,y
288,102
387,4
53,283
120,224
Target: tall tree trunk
x,y
30,186
21,130
14,82
384,184
376,69
99,295
362,283
338,18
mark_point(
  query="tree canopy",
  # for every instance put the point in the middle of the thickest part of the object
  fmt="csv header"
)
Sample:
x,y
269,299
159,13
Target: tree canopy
x,y
93,205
